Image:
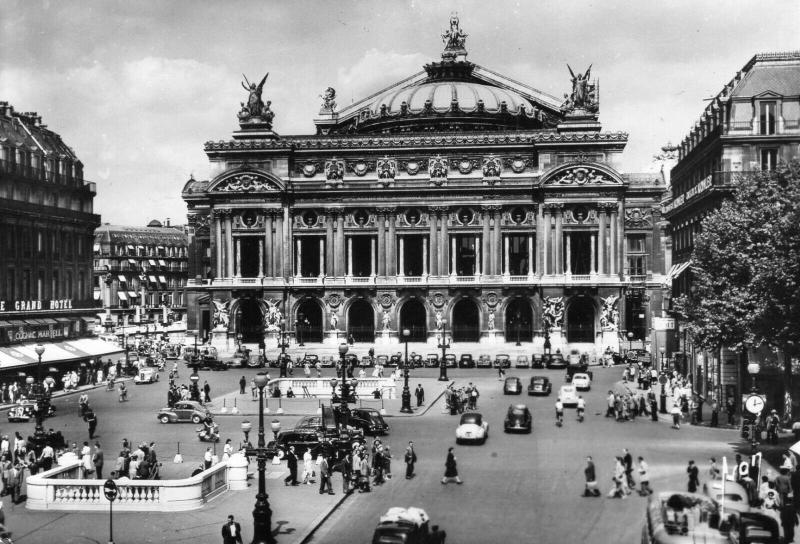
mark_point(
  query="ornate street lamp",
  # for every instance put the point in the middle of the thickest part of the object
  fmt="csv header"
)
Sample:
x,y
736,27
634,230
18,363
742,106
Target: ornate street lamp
x,y
344,411
42,401
662,350
282,345
547,345
753,369
630,340
262,515
299,328
663,394
443,345
195,390
406,408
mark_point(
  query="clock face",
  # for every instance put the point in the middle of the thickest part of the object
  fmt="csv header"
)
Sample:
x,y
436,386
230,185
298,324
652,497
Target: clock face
x,y
754,404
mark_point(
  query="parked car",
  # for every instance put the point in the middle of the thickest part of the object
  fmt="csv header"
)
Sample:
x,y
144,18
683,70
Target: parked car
x,y
522,361
369,420
366,361
240,358
637,355
556,361
351,359
450,360
538,360
146,375
311,359
382,360
465,361
432,360
484,361
582,381
512,386
472,428
302,439
184,411
309,422
518,418
328,361
208,363
502,360
416,360
23,411
407,526
568,395
396,360
736,497
540,385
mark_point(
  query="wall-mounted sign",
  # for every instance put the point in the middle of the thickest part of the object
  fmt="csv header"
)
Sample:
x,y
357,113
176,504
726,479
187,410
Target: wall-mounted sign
x,y
33,305
663,323
31,332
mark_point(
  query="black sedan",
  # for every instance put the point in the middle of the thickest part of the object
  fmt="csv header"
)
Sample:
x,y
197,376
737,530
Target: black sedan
x,y
502,360
450,360
557,361
431,360
512,386
518,419
540,385
466,361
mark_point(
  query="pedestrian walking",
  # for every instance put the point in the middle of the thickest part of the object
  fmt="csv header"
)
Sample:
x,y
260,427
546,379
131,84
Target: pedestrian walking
x,y
291,463
207,458
324,476
363,477
420,394
627,460
231,532
611,404
676,416
694,480
713,470
97,460
86,460
308,468
651,398
788,521
714,413
451,468
207,392
242,385
227,450
91,419
410,459
15,478
590,489
644,478
387,463
730,408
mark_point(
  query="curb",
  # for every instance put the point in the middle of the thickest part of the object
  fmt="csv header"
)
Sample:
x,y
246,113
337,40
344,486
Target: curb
x,y
320,519
81,389
428,407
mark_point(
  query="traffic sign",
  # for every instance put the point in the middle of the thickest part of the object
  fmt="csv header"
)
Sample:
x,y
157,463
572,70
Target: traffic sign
x,y
110,490
754,404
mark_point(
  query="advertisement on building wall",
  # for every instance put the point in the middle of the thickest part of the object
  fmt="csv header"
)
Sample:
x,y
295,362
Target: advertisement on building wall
x,y
34,330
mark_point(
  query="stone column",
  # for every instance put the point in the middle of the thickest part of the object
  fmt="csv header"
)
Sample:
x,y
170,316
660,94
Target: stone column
x,y
237,271
424,256
612,251
299,257
477,255
621,258
372,256
339,266
568,260
547,242
268,245
453,254
506,256
277,247
540,240
402,251
498,239
601,241
321,257
433,255
445,243
229,259
391,244
220,272
559,243
381,243
350,256
261,258
487,241
329,242
530,257
593,261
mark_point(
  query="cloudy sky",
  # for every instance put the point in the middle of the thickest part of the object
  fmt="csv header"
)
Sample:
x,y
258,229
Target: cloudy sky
x,y
137,87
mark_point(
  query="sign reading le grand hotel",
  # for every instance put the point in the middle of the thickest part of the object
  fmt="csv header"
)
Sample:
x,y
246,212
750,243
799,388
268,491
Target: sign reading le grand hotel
x,y
456,200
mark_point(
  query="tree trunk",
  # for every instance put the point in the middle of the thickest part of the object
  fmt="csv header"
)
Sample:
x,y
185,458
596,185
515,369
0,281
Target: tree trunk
x,y
787,384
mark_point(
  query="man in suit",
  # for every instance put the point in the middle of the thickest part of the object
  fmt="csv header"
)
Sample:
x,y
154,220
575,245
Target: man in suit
x,y
420,394
231,532
410,458
325,476
97,460
291,462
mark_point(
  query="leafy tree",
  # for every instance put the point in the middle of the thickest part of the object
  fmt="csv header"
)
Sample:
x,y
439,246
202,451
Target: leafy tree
x,y
746,270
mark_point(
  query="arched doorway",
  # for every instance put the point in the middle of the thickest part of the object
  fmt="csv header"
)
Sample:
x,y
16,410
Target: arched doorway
x,y
519,321
251,320
580,320
308,327
466,321
361,321
414,318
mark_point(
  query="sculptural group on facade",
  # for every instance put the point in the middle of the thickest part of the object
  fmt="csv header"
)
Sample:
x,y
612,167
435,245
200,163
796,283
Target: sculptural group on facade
x,y
439,320
454,38
273,316
334,321
222,318
255,108
584,94
328,100
553,311
491,321
386,320
609,316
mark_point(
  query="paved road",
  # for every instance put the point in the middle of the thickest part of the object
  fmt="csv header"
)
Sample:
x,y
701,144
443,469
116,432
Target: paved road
x,y
527,487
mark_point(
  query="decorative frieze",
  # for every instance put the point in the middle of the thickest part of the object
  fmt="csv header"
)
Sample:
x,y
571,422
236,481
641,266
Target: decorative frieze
x,y
638,218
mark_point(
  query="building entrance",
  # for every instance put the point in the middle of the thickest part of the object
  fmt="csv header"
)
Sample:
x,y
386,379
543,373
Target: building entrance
x,y
466,321
251,320
580,320
249,256
308,327
361,321
519,321
414,318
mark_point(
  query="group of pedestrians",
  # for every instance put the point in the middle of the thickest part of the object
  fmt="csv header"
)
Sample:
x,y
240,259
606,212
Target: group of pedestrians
x,y
136,464
462,398
622,477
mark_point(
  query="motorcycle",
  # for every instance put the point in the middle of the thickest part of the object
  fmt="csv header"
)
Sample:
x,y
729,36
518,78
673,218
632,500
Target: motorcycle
x,y
580,415
5,535
205,436
123,393
110,384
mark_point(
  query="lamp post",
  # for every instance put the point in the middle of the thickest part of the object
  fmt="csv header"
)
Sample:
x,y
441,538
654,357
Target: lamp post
x,y
753,369
195,390
282,344
406,408
547,346
517,318
663,394
344,411
630,340
662,351
443,345
42,401
262,515
239,339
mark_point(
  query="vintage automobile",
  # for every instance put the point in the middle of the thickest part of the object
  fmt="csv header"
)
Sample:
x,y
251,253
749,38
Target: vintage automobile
x,y
311,359
537,360
309,422
240,358
502,360
518,418
146,375
472,428
369,420
23,411
676,517
302,439
407,526
512,386
352,360
450,360
556,360
522,362
568,395
736,497
637,355
366,361
582,381
432,360
395,360
382,360
540,385
327,361
184,411
416,360
484,361
466,361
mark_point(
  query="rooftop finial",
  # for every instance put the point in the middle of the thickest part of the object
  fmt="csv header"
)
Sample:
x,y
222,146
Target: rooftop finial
x,y
454,39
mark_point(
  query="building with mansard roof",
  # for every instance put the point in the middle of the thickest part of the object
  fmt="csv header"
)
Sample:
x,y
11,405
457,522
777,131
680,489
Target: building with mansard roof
x,y
457,201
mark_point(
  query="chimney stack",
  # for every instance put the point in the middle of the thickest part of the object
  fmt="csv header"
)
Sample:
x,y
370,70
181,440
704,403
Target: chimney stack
x,y
167,222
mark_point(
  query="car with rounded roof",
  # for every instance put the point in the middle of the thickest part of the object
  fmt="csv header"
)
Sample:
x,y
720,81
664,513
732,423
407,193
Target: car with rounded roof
x,y
518,419
512,386
522,362
582,381
568,395
484,361
407,526
450,360
502,360
466,361
432,360
540,385
146,375
472,428
184,411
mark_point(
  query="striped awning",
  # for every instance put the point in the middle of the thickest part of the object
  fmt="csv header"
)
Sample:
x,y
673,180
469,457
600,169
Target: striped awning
x,y
677,270
162,279
122,295
122,278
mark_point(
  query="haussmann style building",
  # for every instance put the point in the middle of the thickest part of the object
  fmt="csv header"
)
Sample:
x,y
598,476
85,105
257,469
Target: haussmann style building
x,y
457,199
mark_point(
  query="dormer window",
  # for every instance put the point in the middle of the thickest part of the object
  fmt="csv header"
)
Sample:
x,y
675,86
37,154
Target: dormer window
x,y
767,117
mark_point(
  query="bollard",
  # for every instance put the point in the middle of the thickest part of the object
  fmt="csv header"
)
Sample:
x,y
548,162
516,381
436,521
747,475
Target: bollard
x,y
266,405
383,410
235,409
319,407
224,409
178,457
280,407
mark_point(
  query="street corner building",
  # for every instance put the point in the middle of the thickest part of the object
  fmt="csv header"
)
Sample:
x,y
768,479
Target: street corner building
x,y
456,202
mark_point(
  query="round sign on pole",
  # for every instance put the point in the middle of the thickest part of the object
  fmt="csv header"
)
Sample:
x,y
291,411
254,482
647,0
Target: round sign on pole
x,y
110,490
662,379
754,404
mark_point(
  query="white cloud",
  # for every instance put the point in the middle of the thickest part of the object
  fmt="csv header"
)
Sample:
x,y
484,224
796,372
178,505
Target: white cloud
x,y
374,71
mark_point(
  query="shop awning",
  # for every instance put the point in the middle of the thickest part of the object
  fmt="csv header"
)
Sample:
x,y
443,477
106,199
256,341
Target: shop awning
x,y
133,294
122,278
56,352
63,321
151,262
89,320
153,279
162,263
676,270
162,279
49,321
122,295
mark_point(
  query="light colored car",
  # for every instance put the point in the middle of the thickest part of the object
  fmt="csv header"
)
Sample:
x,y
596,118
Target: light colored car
x,y
735,494
146,375
184,411
472,428
568,395
523,361
581,381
